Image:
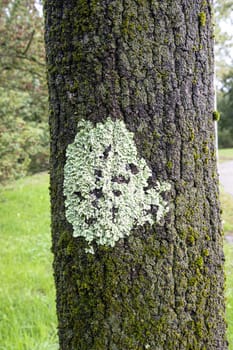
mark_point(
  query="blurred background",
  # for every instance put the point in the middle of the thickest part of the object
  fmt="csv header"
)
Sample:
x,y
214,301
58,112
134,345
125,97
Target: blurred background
x,y
23,90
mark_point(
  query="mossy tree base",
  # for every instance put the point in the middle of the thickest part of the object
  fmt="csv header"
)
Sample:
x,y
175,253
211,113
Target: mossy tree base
x,y
149,64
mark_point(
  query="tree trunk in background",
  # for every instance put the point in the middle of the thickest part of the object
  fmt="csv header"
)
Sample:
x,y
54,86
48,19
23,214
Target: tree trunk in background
x,y
147,68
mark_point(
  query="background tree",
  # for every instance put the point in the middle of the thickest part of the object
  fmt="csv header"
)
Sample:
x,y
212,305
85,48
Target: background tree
x,y
224,47
23,90
132,102
225,106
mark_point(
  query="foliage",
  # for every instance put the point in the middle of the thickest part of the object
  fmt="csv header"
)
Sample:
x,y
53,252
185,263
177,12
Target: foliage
x,y
225,106
23,142
224,46
27,295
23,90
22,47
223,38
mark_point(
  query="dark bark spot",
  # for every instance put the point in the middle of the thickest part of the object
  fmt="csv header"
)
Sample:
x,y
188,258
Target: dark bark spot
x,y
120,179
154,209
106,151
151,183
95,203
133,168
79,195
98,173
117,193
146,188
98,192
114,212
90,221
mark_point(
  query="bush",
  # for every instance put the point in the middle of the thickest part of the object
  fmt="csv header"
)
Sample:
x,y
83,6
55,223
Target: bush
x,y
23,135
225,138
21,149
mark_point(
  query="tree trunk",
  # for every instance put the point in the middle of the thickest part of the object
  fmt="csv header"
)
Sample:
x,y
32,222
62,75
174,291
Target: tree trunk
x,y
137,239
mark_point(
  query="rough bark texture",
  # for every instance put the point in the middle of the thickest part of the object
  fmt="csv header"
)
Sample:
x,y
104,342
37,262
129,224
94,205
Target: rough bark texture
x,y
149,63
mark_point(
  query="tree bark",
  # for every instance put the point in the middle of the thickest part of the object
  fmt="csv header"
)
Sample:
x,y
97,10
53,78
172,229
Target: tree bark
x,y
150,65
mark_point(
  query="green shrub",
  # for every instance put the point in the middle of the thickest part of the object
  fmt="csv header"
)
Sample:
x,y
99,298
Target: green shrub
x,y
23,135
20,148
225,138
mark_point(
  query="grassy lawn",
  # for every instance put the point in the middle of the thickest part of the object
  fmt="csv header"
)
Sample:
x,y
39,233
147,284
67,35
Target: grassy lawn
x,y
226,199
227,212
27,307
225,154
227,216
228,248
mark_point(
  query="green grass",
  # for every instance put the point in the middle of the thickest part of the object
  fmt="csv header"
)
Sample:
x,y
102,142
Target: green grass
x,y
227,211
27,307
225,154
228,249
227,216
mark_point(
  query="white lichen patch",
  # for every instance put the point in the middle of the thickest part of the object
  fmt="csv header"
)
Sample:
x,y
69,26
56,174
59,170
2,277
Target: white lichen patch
x,y
106,184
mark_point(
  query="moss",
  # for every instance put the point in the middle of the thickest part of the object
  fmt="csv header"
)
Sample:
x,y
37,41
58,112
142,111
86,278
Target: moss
x,y
182,234
202,19
192,281
190,240
128,26
199,329
191,135
216,116
169,165
205,252
196,156
83,22
189,215
205,148
192,234
147,149
199,262
156,134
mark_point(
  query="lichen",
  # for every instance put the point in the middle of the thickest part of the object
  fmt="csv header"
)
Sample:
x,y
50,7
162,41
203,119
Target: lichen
x,y
106,185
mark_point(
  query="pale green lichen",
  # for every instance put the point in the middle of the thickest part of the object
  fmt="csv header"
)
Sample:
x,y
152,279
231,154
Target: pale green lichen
x,y
106,184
